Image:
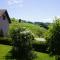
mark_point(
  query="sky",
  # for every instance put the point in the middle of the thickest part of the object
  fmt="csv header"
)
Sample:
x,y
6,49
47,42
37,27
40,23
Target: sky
x,y
32,10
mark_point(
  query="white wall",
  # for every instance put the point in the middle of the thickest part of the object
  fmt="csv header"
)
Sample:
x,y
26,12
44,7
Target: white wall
x,y
4,24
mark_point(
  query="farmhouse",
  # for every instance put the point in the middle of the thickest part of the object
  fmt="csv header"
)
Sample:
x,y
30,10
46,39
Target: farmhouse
x,y
4,22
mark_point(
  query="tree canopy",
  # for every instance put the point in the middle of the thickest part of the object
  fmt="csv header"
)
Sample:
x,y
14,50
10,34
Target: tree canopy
x,y
53,37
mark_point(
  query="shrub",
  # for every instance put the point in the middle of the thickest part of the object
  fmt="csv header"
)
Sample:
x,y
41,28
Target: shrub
x,y
53,38
22,44
40,46
5,40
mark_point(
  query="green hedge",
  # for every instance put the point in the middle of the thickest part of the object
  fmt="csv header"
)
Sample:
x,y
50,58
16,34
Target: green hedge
x,y
5,40
40,46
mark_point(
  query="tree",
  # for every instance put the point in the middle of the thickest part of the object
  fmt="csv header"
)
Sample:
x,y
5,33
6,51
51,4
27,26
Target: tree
x,y
45,25
53,38
13,20
19,20
22,44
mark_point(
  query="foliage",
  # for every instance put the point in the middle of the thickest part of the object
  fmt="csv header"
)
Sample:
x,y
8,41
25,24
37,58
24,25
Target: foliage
x,y
30,22
20,20
53,37
40,46
5,40
35,29
45,25
22,44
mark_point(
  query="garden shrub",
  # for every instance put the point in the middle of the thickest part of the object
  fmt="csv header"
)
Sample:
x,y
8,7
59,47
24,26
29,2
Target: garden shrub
x,y
5,41
40,46
22,44
53,38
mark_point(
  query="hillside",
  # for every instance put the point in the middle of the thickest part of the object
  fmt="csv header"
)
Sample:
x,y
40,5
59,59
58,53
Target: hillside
x,y
35,29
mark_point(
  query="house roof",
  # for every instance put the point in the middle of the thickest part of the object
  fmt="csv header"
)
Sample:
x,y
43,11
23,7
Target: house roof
x,y
2,12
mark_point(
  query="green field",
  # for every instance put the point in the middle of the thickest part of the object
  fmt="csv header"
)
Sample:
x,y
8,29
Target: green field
x,y
4,49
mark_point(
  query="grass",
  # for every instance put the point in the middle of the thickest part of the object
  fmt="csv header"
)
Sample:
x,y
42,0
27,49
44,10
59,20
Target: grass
x,y
43,56
4,49
35,29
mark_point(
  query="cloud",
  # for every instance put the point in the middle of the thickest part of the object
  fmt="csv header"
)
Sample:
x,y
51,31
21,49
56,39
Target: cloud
x,y
15,2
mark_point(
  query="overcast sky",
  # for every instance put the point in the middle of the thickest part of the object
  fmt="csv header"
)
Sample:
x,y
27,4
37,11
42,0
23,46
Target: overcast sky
x,y
32,10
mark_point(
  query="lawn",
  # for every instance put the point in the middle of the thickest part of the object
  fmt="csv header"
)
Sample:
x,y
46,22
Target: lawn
x,y
4,49
43,56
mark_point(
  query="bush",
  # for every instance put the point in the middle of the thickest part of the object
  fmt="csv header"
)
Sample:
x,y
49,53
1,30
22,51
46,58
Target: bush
x,y
5,40
22,44
53,38
40,46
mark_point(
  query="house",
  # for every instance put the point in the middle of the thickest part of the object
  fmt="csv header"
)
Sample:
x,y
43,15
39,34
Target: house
x,y
4,22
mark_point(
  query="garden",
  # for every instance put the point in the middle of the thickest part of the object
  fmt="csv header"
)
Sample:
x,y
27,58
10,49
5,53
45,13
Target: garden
x,y
20,44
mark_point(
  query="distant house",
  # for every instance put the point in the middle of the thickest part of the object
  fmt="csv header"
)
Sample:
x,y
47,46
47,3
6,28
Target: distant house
x,y
4,22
